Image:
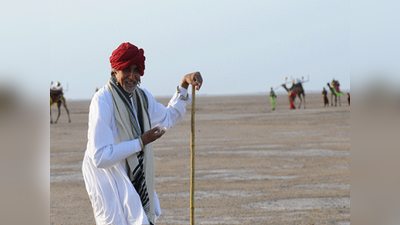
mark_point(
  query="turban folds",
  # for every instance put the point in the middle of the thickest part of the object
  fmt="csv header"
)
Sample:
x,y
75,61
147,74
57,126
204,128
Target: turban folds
x,y
126,55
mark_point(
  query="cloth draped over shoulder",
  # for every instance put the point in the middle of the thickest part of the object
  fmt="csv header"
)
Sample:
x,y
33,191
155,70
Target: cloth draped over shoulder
x,y
141,165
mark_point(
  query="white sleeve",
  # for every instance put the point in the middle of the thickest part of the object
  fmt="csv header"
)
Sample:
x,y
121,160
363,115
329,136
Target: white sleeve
x,y
102,148
172,114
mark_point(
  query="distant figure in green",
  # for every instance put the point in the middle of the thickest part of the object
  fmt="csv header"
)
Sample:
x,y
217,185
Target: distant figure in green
x,y
272,96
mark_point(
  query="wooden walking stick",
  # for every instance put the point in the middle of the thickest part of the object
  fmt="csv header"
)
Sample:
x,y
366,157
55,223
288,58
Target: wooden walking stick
x,y
192,159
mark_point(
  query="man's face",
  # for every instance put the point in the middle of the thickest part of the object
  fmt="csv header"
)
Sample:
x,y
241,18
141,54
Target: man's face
x,y
128,78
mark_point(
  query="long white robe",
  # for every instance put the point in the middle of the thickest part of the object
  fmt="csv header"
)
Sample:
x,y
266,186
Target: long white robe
x,y
114,199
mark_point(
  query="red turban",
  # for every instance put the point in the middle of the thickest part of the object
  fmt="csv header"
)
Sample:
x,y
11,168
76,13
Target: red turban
x,y
126,55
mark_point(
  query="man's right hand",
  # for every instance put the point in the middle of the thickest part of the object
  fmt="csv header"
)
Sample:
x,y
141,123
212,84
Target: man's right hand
x,y
194,79
152,135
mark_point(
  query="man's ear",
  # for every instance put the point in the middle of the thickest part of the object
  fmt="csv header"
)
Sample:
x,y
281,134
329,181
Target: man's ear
x,y
113,72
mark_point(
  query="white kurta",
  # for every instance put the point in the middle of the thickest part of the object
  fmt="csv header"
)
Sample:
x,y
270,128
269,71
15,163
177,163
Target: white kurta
x,y
114,199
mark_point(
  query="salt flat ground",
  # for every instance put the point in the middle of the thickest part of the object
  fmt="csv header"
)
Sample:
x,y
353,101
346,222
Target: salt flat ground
x,y
253,165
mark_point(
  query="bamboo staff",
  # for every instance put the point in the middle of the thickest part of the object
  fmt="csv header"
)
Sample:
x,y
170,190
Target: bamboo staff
x,y
192,159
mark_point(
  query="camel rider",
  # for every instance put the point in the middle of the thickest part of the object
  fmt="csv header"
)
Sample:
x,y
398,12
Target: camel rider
x,y
335,84
57,89
296,81
335,88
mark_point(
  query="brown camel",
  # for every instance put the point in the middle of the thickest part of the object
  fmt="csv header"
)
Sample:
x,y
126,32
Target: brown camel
x,y
298,92
58,97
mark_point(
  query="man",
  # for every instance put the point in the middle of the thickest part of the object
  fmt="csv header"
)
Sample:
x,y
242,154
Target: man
x,y
348,98
325,97
57,87
292,96
272,96
124,120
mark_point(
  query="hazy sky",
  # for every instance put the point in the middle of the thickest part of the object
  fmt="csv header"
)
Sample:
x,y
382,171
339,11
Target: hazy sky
x,y
240,47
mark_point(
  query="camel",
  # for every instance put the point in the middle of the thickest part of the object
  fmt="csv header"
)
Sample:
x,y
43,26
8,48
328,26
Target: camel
x,y
296,90
335,91
57,96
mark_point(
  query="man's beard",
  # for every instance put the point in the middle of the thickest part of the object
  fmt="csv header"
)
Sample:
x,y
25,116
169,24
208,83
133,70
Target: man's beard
x,y
130,89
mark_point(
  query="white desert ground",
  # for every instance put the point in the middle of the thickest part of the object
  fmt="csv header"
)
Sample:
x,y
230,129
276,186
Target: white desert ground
x,y
253,165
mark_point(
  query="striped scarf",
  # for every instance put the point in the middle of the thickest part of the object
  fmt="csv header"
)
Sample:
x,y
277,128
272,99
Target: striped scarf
x,y
141,165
